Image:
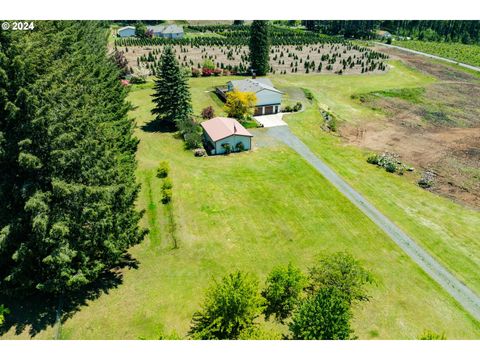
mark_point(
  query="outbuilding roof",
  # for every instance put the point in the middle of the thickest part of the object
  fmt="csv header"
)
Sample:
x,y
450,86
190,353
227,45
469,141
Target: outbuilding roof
x,y
166,29
127,27
254,85
219,128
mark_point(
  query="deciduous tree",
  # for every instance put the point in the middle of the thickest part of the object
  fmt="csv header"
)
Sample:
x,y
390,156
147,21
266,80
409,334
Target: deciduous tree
x,y
283,290
240,105
230,308
323,316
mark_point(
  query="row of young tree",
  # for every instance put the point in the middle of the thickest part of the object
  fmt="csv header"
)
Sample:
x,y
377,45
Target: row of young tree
x,y
314,306
67,159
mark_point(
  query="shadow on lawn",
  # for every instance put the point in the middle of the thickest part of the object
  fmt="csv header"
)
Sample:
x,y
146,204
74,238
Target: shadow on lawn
x,y
37,312
159,126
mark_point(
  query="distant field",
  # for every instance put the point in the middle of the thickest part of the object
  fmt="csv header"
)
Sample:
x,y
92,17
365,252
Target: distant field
x,y
468,54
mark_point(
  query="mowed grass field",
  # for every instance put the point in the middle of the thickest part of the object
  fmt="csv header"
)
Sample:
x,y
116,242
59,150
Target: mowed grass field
x,y
254,210
448,230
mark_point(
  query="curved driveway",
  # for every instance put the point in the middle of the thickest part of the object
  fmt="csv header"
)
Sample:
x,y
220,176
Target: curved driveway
x,y
464,295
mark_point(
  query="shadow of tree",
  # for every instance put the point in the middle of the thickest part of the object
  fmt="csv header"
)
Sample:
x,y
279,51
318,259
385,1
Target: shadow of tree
x,y
37,312
159,126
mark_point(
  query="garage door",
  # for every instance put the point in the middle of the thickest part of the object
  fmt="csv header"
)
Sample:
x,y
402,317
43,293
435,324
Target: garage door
x,y
258,111
268,110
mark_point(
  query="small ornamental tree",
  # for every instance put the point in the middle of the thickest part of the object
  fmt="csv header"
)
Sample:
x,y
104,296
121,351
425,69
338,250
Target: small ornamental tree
x,y
230,308
239,104
121,61
208,113
342,271
323,316
283,289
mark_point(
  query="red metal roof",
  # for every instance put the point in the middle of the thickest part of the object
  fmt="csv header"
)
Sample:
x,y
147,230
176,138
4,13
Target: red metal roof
x,y
219,128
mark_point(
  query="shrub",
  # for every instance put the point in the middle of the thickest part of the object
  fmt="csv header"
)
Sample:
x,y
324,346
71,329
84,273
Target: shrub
x,y
163,169
199,152
240,146
308,94
207,72
287,108
208,113
373,159
430,335
297,106
167,184
391,167
193,139
227,148
138,79
427,180
166,196
332,124
217,72
196,72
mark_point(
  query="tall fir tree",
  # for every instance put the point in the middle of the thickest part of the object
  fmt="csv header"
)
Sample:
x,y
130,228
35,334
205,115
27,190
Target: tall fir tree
x,y
171,95
259,47
70,155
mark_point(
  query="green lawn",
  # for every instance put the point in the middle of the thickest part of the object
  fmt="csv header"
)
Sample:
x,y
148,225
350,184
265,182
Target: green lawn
x,y
254,210
448,230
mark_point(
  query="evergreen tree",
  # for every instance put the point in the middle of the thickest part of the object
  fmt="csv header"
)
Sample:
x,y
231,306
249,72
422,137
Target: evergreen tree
x,y
70,158
171,92
259,47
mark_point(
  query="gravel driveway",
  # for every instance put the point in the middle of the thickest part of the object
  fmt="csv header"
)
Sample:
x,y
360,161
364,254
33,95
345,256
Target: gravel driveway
x,y
464,295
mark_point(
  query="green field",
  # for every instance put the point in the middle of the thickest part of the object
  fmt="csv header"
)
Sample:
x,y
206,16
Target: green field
x,y
254,210
448,230
468,54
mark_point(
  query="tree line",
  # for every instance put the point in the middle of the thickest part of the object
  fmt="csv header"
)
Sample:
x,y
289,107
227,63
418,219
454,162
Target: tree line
x,y
67,158
465,31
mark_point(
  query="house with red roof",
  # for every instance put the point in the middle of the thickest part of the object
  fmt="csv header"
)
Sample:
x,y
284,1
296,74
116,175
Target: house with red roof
x,y
224,135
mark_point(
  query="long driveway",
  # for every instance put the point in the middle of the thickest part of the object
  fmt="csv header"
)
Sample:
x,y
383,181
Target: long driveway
x,y
471,67
466,297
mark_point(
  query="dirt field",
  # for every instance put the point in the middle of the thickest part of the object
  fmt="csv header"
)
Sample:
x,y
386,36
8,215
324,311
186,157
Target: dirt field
x,y
440,133
287,58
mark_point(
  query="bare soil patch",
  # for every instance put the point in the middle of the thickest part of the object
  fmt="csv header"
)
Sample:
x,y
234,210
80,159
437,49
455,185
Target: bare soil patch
x,y
439,133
